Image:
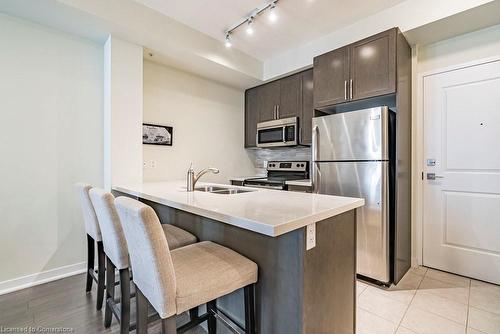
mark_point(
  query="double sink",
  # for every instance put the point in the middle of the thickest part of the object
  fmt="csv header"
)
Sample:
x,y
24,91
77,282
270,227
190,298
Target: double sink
x,y
222,190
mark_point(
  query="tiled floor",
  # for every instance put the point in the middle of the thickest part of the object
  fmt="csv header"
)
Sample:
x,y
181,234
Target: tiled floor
x,y
428,301
424,302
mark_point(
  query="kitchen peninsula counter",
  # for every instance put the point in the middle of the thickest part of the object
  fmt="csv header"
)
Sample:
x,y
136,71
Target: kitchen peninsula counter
x,y
304,245
265,211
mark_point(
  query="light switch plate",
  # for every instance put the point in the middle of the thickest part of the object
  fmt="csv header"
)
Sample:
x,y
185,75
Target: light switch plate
x,y
311,236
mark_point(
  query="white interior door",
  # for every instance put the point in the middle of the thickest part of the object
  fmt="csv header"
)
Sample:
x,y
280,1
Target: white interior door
x,y
462,148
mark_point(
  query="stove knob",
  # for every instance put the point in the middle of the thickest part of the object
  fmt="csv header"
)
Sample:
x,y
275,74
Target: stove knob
x,y
298,165
302,165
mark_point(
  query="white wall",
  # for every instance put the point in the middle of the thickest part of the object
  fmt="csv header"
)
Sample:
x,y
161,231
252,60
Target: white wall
x,y
122,112
207,120
465,48
474,46
51,136
407,15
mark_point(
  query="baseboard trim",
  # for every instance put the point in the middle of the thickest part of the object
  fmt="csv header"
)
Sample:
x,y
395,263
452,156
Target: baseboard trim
x,y
28,281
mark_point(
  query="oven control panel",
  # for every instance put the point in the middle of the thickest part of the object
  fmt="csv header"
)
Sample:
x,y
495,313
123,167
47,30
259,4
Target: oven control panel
x,y
291,166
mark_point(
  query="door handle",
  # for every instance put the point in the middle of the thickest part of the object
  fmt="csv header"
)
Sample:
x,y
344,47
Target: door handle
x,y
278,111
284,134
433,176
314,147
345,90
315,169
350,89
274,112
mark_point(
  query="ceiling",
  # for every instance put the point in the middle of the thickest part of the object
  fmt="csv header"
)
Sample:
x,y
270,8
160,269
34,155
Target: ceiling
x,y
299,21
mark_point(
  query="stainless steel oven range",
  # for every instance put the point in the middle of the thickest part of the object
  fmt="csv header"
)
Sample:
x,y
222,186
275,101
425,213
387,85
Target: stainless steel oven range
x,y
278,172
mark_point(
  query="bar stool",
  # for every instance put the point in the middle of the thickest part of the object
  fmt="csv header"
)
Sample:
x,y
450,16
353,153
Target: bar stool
x,y
117,257
178,280
93,237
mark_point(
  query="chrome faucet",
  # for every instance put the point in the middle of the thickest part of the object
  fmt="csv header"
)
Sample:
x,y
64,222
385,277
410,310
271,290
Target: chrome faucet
x,y
192,179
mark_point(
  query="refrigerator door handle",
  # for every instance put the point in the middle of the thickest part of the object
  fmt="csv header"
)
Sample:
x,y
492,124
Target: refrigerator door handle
x,y
315,135
315,172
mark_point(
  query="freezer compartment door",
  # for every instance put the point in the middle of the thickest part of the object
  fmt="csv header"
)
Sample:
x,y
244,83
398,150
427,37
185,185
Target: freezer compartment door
x,y
368,180
355,135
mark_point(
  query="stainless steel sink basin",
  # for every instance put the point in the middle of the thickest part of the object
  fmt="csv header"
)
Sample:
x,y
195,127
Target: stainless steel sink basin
x,y
222,190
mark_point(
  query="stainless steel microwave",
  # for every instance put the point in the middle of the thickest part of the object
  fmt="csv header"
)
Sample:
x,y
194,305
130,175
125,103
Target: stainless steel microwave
x,y
280,132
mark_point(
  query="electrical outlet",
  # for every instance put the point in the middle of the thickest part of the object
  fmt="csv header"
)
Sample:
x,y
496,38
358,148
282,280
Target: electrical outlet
x,y
311,236
153,163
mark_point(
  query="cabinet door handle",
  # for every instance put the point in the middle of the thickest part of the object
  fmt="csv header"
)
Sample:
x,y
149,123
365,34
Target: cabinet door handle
x,y
350,89
278,111
274,112
345,90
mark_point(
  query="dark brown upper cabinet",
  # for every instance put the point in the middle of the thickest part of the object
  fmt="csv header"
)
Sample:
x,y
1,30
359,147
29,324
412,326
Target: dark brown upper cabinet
x,y
251,117
283,98
364,69
305,120
331,76
290,97
373,66
268,100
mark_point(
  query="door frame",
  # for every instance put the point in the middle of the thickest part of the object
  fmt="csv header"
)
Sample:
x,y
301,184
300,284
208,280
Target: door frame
x,y
418,145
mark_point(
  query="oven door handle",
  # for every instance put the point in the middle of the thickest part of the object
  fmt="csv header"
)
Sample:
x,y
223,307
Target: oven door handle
x,y
263,187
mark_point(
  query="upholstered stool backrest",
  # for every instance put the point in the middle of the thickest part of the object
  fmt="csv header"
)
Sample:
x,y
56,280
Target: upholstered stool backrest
x,y
149,254
89,216
115,244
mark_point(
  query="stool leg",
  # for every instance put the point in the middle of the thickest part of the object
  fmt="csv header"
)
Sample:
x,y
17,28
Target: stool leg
x,y
168,326
110,292
212,320
249,309
125,301
141,304
101,258
193,313
90,262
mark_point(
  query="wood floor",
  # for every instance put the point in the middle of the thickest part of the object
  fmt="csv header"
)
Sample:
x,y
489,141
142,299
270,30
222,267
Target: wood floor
x,y
62,304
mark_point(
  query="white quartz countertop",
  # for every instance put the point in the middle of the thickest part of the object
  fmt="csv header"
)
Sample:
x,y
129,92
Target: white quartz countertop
x,y
269,212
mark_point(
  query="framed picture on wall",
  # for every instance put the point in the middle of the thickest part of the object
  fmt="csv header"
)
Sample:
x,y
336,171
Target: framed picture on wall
x,y
153,134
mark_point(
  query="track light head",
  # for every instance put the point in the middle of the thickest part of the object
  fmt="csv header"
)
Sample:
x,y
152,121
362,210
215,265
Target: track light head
x,y
272,12
228,43
249,26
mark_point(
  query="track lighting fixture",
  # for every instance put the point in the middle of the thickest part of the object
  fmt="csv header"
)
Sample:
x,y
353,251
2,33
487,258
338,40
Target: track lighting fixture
x,y
249,26
249,21
272,12
228,42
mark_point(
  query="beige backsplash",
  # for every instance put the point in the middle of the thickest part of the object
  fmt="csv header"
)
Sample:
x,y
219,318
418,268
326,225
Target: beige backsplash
x,y
260,157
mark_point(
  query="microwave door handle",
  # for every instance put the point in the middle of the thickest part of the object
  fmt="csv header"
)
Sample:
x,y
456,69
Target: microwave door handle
x,y
284,134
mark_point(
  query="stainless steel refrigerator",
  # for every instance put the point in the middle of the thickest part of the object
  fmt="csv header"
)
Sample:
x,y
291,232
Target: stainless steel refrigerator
x,y
352,156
